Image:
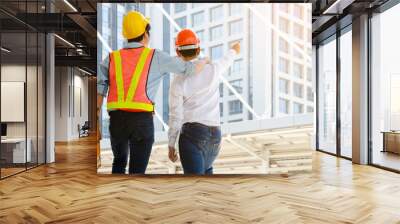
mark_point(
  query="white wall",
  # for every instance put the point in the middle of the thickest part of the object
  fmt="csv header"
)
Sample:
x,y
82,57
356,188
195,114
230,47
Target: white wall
x,y
61,103
33,127
80,103
16,73
71,94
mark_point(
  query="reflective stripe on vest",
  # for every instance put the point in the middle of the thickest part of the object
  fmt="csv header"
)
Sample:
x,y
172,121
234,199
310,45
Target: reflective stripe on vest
x,y
135,99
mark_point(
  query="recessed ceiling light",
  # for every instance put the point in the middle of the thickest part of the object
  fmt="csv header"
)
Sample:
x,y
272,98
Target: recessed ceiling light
x,y
70,5
84,71
338,6
64,40
5,50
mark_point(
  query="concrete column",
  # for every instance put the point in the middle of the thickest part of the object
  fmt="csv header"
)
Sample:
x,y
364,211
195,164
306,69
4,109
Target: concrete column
x,y
360,90
50,99
50,92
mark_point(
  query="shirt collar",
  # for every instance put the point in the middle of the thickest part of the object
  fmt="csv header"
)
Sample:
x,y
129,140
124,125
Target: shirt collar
x,y
132,45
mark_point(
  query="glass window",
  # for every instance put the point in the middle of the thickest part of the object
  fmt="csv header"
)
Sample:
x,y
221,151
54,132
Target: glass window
x,y
41,99
236,27
283,65
105,15
298,108
237,66
310,94
309,74
181,22
216,52
198,19
120,14
22,101
284,86
15,73
283,45
298,52
235,9
346,94
298,11
309,35
284,25
202,51
179,7
237,85
221,90
298,30
308,15
298,70
310,109
298,90
235,107
216,13
384,85
200,35
32,101
284,7
216,32
327,96
196,5
221,109
283,106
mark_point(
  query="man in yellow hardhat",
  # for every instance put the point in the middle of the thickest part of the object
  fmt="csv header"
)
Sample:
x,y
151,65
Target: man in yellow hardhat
x,y
130,77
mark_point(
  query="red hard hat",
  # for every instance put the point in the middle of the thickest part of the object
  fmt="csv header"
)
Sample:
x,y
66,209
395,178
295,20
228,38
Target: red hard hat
x,y
186,39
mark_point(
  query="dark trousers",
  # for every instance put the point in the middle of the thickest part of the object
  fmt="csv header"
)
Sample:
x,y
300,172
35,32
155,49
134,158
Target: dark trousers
x,y
199,146
131,133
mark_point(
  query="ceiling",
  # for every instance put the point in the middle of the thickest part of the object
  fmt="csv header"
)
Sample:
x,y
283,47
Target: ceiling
x,y
75,43
332,15
76,21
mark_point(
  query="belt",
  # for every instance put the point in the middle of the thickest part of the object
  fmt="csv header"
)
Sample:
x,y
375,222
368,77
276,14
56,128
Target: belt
x,y
195,124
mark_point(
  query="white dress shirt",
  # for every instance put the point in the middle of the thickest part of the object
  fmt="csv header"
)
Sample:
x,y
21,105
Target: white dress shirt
x,y
196,98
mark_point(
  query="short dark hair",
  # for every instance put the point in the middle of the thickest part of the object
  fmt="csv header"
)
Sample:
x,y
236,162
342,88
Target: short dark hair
x,y
140,38
189,53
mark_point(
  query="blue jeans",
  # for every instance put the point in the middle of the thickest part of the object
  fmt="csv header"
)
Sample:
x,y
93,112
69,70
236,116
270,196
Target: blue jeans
x,y
199,146
131,133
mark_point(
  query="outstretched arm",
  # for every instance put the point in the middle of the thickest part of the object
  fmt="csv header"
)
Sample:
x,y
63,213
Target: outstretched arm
x,y
223,64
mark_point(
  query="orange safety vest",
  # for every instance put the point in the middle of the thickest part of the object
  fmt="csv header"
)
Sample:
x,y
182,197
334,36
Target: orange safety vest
x,y
128,72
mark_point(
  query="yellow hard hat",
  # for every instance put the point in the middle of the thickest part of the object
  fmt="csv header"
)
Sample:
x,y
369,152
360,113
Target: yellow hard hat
x,y
134,24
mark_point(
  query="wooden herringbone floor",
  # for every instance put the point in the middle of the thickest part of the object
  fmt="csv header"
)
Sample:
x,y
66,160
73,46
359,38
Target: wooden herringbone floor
x,y
70,191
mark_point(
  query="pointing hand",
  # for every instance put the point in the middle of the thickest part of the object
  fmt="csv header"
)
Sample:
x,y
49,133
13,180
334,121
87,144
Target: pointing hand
x,y
236,47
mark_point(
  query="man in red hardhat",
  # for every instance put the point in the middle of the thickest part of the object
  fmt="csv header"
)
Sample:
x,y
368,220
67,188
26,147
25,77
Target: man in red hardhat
x,y
194,108
130,78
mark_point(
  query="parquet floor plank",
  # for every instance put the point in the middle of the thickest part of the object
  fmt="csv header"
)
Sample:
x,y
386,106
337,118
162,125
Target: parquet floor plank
x,y
70,191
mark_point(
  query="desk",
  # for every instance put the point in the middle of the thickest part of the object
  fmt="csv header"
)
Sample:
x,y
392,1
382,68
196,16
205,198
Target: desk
x,y
13,150
391,141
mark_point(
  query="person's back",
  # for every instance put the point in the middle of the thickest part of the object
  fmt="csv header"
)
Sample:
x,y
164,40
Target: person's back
x,y
200,96
129,78
194,112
